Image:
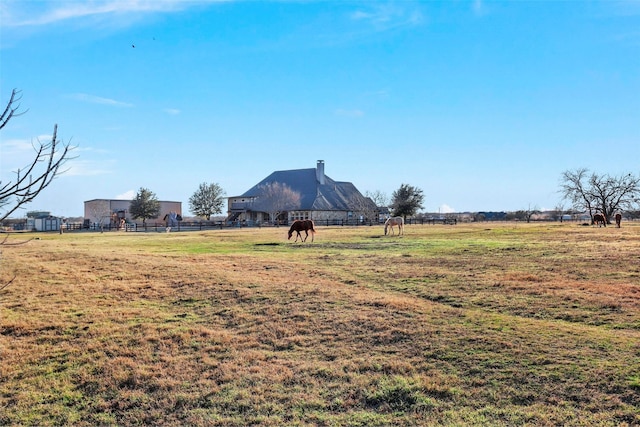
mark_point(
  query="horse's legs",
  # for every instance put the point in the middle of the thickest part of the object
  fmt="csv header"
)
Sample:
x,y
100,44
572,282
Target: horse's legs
x,y
306,234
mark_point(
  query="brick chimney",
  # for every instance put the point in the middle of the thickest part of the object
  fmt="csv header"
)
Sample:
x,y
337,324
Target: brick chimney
x,y
320,172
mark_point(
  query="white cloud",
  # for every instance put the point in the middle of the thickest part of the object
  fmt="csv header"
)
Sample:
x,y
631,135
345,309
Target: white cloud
x,y
19,153
24,13
387,16
127,195
76,167
15,145
445,209
172,111
99,100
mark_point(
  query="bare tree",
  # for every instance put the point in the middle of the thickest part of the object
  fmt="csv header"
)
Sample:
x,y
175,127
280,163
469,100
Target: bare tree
x,y
100,213
558,212
574,189
276,198
603,193
613,193
379,198
527,214
35,177
531,211
363,207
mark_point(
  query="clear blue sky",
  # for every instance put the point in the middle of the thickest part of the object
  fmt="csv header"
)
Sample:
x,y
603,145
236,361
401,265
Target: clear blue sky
x,y
481,104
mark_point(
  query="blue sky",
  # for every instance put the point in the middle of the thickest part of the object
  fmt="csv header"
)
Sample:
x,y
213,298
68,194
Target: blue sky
x,y
481,104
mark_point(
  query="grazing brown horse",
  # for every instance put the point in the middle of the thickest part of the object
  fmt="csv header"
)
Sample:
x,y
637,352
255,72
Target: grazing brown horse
x,y
391,222
618,219
599,220
299,225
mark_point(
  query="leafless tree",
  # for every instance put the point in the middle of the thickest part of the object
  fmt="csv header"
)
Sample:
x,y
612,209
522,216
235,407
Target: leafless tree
x,y
364,208
600,193
379,198
31,180
276,198
34,178
100,213
523,214
575,190
558,212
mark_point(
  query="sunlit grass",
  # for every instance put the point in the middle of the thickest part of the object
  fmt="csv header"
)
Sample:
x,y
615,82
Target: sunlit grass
x,y
487,324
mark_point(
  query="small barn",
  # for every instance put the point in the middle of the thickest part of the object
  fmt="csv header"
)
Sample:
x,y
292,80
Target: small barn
x,y
43,221
320,199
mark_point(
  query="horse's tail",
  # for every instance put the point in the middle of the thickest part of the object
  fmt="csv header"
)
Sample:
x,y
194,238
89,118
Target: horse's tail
x,y
313,230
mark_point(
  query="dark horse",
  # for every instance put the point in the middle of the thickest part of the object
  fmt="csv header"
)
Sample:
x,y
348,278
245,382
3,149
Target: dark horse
x,y
618,219
599,220
299,225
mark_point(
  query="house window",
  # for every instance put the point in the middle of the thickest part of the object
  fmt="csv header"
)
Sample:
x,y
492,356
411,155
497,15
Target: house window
x,y
300,215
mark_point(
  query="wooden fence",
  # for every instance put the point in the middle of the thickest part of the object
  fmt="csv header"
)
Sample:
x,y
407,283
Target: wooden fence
x,y
218,225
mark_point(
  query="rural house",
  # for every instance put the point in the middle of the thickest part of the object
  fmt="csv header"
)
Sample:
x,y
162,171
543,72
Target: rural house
x,y
320,199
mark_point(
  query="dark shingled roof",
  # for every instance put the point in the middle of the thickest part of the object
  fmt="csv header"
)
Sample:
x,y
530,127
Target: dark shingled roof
x,y
330,196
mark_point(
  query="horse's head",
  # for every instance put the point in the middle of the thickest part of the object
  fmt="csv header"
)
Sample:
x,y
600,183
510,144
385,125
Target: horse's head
x,y
290,234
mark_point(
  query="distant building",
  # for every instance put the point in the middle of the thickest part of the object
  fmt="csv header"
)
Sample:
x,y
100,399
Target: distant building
x,y
321,198
491,216
107,212
42,221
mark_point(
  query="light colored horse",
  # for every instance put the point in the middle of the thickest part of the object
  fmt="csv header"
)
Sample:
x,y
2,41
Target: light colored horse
x,y
392,222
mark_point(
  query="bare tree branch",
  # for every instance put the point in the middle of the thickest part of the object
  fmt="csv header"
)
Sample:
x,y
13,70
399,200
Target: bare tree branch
x,y
12,108
30,182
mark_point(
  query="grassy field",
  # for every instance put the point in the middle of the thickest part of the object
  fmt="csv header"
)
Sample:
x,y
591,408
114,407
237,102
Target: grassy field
x,y
467,325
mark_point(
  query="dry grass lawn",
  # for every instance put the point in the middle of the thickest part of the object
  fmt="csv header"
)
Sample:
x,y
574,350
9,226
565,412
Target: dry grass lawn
x,y
467,325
